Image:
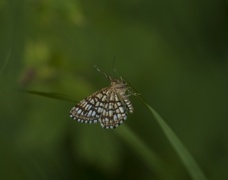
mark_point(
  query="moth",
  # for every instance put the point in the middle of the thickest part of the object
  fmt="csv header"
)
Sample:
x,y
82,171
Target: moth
x,y
108,106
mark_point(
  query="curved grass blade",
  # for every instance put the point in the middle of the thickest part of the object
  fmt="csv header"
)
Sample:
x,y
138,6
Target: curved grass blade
x,y
150,158
147,155
191,165
58,96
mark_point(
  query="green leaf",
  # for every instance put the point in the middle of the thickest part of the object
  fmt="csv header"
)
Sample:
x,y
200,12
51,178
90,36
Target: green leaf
x,y
58,96
147,156
190,164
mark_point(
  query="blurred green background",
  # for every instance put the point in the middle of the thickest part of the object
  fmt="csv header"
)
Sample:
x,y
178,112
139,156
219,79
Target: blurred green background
x,y
175,53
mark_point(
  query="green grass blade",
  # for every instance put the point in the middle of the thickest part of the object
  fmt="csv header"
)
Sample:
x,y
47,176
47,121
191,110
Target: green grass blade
x,y
58,96
147,156
192,167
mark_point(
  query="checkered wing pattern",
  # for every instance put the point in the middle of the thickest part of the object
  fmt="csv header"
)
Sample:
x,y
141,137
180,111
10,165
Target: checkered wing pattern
x,y
86,111
109,107
114,111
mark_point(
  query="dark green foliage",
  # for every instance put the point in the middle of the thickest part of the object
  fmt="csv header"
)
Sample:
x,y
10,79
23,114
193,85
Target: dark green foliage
x,y
173,52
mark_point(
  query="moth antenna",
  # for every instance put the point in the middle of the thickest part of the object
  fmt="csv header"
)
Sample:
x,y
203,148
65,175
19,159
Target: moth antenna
x,y
104,74
116,71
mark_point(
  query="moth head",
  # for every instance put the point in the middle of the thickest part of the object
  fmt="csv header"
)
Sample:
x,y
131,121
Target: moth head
x,y
119,84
